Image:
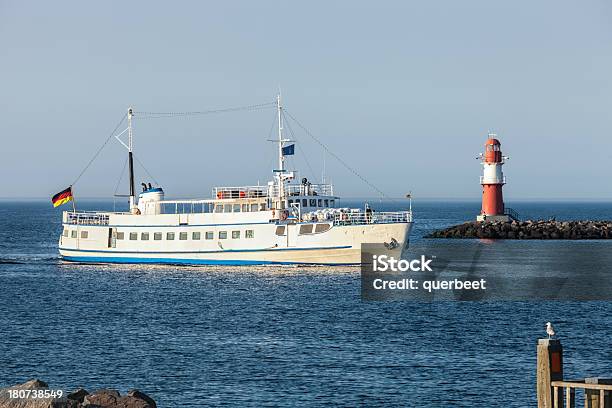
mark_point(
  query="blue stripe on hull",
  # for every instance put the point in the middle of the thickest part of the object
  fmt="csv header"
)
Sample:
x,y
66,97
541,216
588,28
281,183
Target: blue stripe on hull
x,y
177,261
105,251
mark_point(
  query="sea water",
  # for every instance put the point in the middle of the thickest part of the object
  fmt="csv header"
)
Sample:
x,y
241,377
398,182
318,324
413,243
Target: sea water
x,y
252,336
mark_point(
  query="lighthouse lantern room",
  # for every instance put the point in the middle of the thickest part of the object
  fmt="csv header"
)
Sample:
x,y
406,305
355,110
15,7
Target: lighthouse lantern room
x,y
492,181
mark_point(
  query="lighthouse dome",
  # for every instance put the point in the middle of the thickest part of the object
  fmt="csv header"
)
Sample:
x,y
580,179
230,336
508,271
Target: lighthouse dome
x,y
492,150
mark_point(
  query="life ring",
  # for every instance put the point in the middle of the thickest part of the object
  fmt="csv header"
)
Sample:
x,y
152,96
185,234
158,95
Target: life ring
x,y
273,212
284,214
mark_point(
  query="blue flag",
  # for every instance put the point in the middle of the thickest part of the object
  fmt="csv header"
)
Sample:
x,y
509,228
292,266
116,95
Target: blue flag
x,y
289,150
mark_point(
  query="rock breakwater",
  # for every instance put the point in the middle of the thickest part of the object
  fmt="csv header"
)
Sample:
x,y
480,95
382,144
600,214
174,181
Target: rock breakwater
x,y
528,230
104,398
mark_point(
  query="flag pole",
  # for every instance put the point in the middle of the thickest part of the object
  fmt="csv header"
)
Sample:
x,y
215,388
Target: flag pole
x,y
73,200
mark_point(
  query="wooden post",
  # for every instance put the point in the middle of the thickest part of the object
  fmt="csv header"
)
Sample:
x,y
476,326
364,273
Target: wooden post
x,y
592,398
549,368
570,397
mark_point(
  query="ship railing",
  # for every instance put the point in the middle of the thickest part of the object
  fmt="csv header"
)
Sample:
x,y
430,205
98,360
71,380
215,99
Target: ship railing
x,y
182,206
359,218
240,192
304,190
87,218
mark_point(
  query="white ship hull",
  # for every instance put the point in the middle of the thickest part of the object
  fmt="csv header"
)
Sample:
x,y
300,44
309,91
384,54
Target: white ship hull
x,y
262,244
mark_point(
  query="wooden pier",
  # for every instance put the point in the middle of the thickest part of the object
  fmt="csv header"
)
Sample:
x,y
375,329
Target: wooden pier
x,y
555,392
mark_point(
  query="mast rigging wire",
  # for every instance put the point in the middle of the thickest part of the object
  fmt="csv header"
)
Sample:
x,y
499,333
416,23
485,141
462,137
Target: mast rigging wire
x,y
150,115
312,172
120,177
99,150
334,155
145,169
272,157
154,115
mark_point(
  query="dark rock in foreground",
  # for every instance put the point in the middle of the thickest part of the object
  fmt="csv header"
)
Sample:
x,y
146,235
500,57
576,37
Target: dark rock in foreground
x,y
528,230
78,399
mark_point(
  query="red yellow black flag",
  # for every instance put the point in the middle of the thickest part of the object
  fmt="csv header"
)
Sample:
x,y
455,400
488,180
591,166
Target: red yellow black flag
x,y
62,197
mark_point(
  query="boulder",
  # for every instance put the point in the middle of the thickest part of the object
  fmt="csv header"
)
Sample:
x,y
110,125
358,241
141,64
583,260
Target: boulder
x,y
142,396
7,402
78,395
101,399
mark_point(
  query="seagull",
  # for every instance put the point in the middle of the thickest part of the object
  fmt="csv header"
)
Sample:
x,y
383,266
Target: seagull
x,y
549,330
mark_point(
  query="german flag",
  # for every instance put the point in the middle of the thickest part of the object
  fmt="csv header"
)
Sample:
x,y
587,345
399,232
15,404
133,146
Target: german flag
x,y
62,197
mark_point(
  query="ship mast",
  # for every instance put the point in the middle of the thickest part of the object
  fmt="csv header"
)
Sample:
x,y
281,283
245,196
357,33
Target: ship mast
x,y
131,161
281,157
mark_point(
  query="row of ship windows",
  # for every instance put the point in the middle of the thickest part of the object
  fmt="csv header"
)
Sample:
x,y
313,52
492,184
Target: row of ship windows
x,y
306,229
170,236
228,208
314,202
197,235
183,236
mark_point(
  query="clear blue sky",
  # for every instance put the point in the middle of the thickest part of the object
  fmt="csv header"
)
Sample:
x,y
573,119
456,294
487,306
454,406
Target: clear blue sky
x,y
404,91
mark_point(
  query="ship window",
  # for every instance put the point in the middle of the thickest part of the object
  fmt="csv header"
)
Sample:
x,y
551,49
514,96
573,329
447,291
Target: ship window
x,y
280,230
322,227
332,203
157,236
84,234
304,203
236,207
65,233
262,207
144,236
170,236
306,229
313,202
326,202
222,234
195,235
320,203
235,234
218,208
249,234
210,235
182,236
227,208
253,207
121,235
73,234
245,208
133,236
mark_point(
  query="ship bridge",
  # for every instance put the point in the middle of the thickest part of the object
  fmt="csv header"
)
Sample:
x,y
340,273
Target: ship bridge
x,y
305,196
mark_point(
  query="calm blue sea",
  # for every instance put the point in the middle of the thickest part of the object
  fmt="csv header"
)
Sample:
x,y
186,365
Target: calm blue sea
x,y
275,336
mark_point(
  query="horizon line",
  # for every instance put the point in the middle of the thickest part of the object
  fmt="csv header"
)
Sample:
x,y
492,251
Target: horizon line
x,y
416,199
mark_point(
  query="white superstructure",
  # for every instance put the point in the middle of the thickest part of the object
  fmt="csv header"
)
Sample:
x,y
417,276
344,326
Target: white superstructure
x,y
287,221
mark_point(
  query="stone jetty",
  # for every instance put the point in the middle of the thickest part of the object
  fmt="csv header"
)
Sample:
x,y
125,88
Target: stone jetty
x,y
528,230
104,398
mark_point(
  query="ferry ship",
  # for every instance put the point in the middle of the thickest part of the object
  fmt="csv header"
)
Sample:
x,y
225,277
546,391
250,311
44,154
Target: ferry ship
x,y
287,221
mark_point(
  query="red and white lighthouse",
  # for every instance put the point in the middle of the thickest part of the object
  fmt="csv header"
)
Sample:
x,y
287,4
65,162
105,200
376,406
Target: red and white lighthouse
x,y
492,181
